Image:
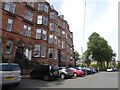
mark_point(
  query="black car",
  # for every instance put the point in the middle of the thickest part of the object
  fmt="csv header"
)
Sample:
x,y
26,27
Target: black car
x,y
45,72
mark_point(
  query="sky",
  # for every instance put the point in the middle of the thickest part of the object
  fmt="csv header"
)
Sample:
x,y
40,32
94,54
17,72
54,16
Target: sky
x,y
101,17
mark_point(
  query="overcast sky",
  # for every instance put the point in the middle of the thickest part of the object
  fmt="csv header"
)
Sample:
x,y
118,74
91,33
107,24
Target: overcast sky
x,y
101,17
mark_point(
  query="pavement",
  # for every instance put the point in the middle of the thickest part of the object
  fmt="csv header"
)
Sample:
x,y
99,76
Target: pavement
x,y
25,76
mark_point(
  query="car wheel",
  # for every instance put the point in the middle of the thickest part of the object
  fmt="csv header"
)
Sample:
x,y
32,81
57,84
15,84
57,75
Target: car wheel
x,y
46,77
62,76
75,75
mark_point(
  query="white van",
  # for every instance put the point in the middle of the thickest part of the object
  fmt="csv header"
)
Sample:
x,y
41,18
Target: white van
x,y
10,73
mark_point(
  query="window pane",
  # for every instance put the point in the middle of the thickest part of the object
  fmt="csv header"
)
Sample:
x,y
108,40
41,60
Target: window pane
x,y
9,26
50,38
37,51
29,15
63,44
58,32
63,56
39,19
51,26
55,40
8,47
25,30
43,51
50,53
45,20
7,6
52,15
44,35
63,34
46,8
31,4
12,8
55,54
40,6
38,34
59,43
29,31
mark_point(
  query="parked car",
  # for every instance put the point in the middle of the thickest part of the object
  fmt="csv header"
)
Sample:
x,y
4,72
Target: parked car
x,y
45,72
77,73
10,73
65,73
86,70
80,69
93,70
109,69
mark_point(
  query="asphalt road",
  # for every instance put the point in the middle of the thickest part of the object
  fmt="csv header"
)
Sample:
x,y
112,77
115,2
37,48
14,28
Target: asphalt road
x,y
98,80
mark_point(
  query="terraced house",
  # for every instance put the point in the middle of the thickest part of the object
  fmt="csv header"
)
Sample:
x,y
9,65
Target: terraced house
x,y
35,30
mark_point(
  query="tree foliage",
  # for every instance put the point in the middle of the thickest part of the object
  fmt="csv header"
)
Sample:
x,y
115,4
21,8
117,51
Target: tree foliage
x,y
87,60
77,56
100,49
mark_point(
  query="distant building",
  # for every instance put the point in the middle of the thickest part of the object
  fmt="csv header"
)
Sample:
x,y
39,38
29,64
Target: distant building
x,y
36,31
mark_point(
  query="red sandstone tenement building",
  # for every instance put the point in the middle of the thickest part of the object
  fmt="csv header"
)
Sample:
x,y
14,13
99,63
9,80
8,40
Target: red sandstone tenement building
x,y
37,31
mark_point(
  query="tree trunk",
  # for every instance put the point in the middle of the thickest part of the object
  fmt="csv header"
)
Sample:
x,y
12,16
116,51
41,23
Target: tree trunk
x,y
107,64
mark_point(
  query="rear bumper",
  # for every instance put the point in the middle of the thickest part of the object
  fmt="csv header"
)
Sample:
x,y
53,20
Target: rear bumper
x,y
54,76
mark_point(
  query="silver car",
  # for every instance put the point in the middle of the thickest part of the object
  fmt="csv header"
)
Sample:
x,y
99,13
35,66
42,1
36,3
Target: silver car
x,y
9,73
65,73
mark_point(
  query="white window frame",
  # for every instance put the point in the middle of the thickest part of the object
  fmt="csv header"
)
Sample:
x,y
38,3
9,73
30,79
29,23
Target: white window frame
x,y
43,51
63,44
27,31
38,48
10,6
29,15
10,45
50,52
52,26
45,20
39,19
44,35
46,8
55,53
38,33
55,39
51,37
52,15
10,22
41,6
63,34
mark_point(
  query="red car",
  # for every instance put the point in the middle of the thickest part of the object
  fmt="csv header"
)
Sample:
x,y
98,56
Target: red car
x,y
77,73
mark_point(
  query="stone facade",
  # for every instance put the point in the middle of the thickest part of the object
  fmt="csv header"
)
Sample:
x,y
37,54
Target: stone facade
x,y
36,31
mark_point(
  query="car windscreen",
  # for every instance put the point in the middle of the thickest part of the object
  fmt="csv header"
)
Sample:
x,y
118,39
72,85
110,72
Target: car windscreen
x,y
55,68
10,68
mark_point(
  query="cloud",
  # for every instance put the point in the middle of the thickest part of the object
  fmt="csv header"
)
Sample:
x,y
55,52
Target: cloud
x,y
101,17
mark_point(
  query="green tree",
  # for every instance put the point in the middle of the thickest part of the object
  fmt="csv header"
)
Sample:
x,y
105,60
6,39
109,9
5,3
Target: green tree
x,y
77,56
100,49
87,60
